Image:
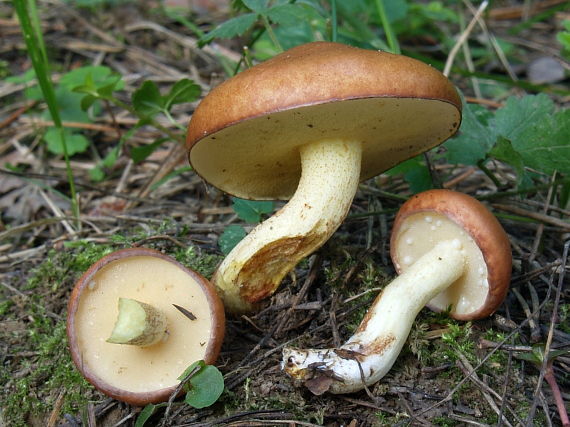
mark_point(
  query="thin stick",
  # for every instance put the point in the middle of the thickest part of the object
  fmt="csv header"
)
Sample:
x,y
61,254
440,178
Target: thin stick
x,y
545,361
464,36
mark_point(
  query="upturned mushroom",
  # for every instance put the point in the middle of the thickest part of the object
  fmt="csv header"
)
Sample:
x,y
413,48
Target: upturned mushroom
x,y
126,332
450,252
308,125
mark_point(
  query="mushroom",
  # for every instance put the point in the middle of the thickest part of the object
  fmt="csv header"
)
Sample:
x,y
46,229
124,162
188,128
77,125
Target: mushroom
x,y
308,125
450,251
125,335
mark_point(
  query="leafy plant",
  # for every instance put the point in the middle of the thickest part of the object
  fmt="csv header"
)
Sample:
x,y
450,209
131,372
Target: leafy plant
x,y
265,12
248,210
252,211
537,357
147,103
527,133
289,23
204,385
147,99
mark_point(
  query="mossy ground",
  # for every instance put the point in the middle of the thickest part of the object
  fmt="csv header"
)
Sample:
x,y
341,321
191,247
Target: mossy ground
x,y
40,378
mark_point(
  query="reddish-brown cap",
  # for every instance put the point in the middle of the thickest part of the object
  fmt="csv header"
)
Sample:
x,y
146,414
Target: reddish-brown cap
x,y
477,224
131,374
244,136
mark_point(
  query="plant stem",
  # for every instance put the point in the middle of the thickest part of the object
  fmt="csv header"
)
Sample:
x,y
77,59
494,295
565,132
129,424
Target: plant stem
x,y
177,137
390,36
334,23
549,377
271,34
510,193
490,174
174,122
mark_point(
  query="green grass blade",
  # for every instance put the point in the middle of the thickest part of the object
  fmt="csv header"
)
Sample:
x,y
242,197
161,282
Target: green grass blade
x,y
390,35
38,30
334,23
38,56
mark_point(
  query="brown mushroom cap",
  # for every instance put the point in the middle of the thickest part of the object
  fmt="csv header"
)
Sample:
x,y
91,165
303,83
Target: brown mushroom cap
x,y
244,136
89,324
480,225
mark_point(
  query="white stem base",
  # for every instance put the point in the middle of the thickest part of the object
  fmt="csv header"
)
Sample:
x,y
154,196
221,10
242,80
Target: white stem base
x,y
370,353
256,266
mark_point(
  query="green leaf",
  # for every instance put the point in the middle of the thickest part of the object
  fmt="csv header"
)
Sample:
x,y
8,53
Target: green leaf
x,y
259,6
232,235
138,154
530,357
251,211
111,158
69,106
544,144
76,143
26,78
106,91
538,353
205,386
148,100
231,28
183,91
475,137
564,36
96,174
538,136
415,172
87,101
145,414
286,14
94,76
504,152
419,179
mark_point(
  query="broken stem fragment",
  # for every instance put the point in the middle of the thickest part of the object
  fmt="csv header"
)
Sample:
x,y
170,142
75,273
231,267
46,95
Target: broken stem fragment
x,y
139,324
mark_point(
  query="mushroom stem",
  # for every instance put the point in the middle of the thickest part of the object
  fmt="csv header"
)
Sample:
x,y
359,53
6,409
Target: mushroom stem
x,y
255,267
138,324
370,353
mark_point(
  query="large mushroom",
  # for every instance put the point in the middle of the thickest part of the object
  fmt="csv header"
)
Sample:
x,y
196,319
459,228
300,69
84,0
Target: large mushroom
x,y
451,253
126,335
308,125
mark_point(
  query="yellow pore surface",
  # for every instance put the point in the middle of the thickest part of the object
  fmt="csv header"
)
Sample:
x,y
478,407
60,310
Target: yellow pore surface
x,y
156,282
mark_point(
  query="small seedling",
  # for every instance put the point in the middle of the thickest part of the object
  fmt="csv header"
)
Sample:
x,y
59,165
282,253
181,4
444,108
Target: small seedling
x,y
536,356
203,384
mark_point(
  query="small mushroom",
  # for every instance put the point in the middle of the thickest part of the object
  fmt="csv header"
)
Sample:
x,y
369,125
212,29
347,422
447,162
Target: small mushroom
x,y
308,125
450,251
126,336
